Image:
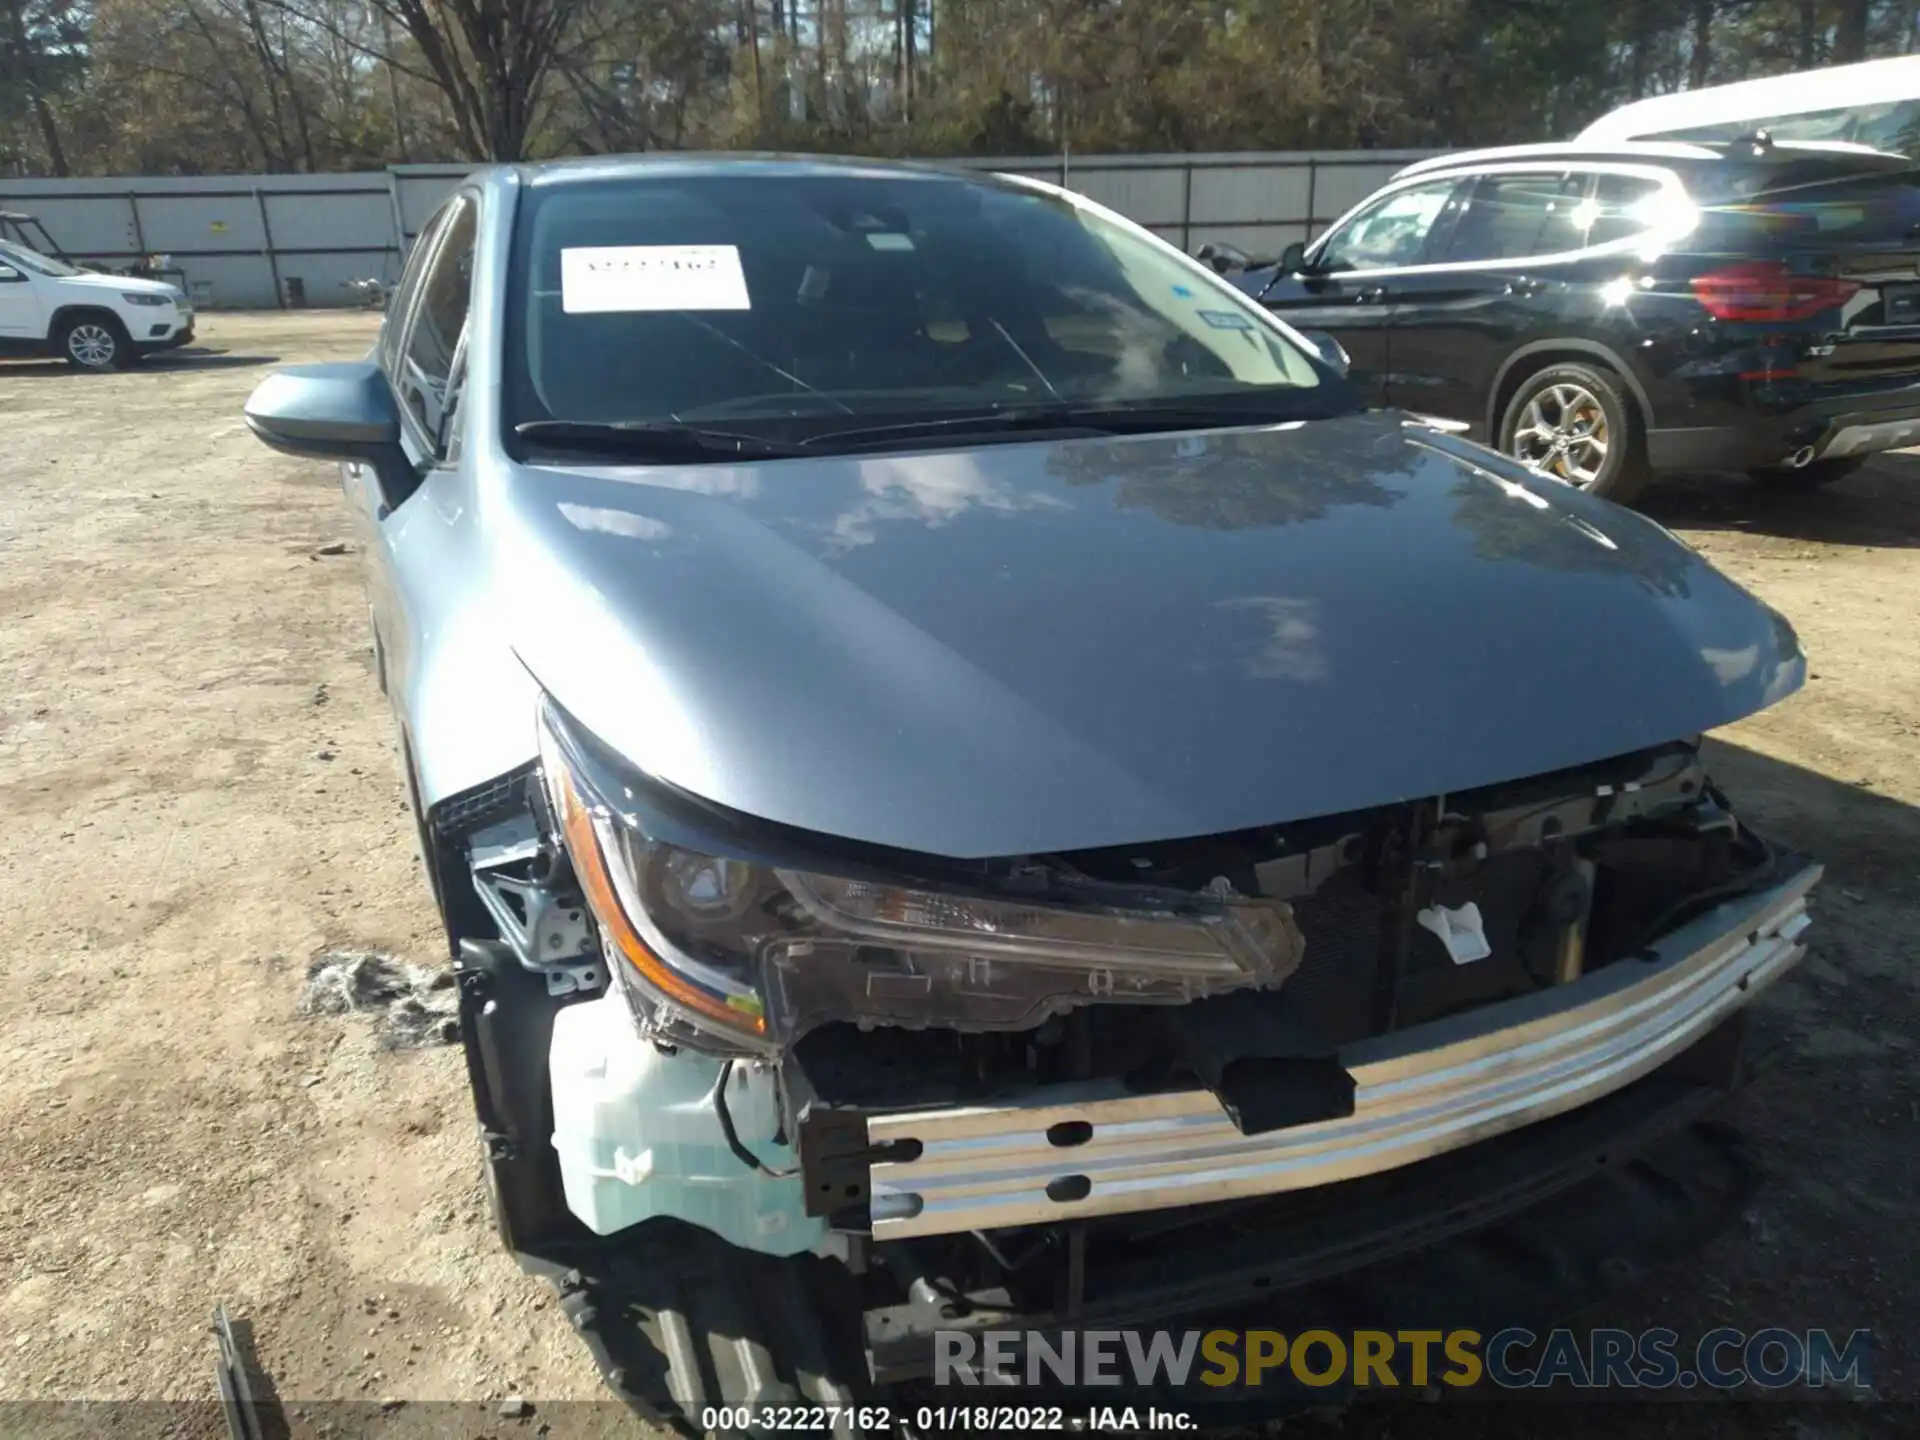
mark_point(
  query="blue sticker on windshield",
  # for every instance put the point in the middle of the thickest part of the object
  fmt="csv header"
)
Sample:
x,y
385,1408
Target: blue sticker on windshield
x,y
1183,292
1226,320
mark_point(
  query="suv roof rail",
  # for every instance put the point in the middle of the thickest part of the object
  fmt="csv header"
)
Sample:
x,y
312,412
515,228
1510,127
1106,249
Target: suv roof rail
x,y
1758,141
1760,144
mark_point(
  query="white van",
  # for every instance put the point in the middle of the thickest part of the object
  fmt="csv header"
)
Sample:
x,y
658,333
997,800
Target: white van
x,y
1875,104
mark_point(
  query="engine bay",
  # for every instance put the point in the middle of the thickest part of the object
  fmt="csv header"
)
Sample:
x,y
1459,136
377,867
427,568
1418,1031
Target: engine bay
x,y
1375,922
1408,915
1440,912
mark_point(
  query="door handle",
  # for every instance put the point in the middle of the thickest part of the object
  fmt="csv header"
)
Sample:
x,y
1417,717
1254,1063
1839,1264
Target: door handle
x,y
1525,285
1371,295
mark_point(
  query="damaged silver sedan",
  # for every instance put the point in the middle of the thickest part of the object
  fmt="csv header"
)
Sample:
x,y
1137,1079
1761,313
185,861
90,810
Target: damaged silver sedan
x,y
972,785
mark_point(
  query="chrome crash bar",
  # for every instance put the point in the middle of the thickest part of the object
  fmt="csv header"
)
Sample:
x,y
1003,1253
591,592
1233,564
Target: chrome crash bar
x,y
1079,1151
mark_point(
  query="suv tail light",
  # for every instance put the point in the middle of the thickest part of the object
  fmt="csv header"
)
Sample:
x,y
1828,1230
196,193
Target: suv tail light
x,y
1768,290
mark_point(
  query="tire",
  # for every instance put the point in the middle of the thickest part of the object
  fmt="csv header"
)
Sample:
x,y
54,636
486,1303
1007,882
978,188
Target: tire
x,y
1807,477
1576,423
95,342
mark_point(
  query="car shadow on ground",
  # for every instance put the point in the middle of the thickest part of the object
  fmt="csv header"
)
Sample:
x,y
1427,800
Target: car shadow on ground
x,y
186,359
191,359
1878,506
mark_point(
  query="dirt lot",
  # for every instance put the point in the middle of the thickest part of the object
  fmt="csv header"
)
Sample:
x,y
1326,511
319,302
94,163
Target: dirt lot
x,y
199,794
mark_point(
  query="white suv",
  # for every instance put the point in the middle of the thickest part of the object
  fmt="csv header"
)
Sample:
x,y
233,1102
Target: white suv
x,y
97,322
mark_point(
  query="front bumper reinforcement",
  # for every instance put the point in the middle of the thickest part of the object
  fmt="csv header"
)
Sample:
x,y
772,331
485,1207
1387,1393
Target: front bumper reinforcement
x,y
1421,1092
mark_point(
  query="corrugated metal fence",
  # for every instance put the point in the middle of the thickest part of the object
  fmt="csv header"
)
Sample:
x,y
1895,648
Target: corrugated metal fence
x,y
261,240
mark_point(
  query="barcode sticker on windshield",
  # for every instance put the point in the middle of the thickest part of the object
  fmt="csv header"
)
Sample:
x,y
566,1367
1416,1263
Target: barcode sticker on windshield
x,y
607,279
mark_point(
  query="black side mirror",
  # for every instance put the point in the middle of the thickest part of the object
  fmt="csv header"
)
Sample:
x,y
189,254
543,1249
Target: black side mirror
x,y
1293,260
339,411
1331,352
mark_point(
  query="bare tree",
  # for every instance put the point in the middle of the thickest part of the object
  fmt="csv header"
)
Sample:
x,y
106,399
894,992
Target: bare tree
x,y
490,60
33,38
198,86
1700,48
1850,34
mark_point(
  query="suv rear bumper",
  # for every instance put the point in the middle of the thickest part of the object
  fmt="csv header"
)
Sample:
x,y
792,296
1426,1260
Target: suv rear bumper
x,y
1867,435
1832,431
1420,1092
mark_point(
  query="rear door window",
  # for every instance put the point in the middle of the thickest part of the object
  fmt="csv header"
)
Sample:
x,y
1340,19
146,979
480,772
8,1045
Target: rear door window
x,y
1621,208
1513,217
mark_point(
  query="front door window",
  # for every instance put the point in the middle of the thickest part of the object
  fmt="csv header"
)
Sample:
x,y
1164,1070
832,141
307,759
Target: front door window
x,y
1391,232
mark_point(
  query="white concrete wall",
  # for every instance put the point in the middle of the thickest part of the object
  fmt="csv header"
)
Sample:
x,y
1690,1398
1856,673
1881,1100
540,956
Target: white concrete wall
x,y
241,238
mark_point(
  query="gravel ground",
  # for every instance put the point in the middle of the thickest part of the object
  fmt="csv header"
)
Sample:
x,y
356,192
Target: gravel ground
x,y
200,797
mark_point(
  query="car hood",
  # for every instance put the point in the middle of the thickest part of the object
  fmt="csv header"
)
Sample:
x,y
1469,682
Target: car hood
x,y
1036,647
129,284
1256,280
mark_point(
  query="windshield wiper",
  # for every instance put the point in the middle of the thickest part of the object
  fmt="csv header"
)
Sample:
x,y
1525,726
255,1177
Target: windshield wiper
x,y
1023,417
654,440
1110,418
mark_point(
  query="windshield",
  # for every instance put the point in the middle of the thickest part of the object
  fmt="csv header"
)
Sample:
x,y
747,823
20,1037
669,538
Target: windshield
x,y
803,304
16,254
1893,126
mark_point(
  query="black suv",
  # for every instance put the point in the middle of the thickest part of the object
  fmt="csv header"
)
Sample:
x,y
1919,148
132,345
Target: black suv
x,y
1605,313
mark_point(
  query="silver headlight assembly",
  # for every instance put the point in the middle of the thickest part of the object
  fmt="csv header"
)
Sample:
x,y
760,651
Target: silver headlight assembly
x,y
748,955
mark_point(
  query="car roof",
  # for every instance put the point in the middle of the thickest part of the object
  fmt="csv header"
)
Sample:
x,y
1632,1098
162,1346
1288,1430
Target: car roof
x,y
1808,92
1644,152
735,163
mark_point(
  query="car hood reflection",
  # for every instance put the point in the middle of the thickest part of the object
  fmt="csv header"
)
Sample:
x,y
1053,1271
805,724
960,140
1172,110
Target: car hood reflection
x,y
1038,646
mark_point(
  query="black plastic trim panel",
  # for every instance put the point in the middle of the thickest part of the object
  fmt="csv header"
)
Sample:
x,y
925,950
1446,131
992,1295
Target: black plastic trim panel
x,y
679,1320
